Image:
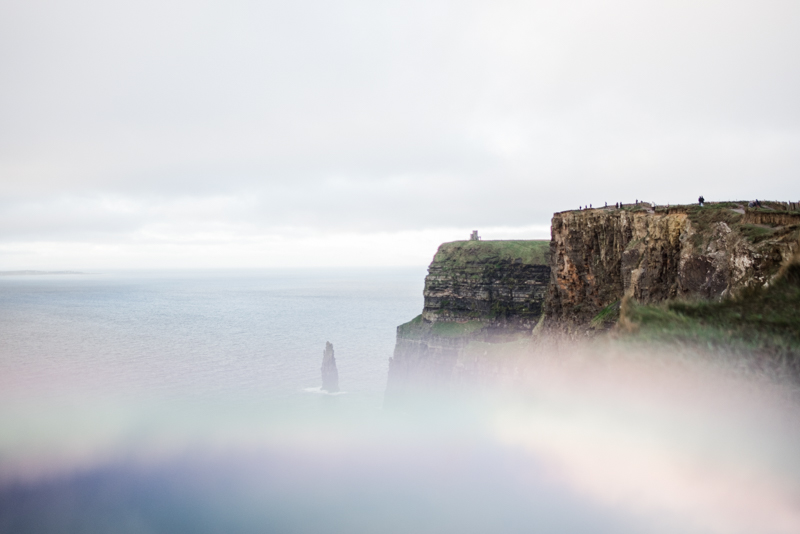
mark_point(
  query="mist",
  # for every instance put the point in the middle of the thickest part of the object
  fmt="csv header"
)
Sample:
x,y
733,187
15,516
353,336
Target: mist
x,y
190,401
213,191
612,439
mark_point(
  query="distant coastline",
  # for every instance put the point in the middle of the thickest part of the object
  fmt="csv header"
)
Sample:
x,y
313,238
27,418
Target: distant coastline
x,y
34,273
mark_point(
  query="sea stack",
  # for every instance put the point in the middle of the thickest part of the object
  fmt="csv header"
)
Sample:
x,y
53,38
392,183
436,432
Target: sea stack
x,y
330,376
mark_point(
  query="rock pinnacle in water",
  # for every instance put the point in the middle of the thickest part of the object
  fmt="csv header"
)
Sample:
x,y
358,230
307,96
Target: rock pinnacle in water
x,y
330,376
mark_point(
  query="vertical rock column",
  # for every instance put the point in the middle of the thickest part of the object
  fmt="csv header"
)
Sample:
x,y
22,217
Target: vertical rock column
x,y
330,375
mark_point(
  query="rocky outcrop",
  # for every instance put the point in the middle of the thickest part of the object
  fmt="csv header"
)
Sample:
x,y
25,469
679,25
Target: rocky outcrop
x,y
599,256
476,292
771,218
501,283
479,295
330,375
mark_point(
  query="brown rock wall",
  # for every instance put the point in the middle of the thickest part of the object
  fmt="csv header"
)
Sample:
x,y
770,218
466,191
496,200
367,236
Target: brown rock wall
x,y
599,256
475,292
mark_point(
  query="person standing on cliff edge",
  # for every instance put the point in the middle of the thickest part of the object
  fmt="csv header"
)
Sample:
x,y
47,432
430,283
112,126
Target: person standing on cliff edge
x,y
701,200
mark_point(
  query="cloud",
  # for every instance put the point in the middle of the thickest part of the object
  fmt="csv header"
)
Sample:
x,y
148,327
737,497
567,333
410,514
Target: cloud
x,y
361,117
164,246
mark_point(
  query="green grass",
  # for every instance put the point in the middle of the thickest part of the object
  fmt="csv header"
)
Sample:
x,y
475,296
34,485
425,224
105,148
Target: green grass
x,y
453,329
535,252
755,233
410,326
703,217
417,326
760,321
607,317
767,205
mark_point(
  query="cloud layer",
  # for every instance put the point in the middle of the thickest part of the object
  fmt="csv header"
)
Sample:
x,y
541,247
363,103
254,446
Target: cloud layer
x,y
146,124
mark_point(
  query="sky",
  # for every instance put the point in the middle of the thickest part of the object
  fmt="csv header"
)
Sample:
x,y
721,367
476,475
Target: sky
x,y
304,133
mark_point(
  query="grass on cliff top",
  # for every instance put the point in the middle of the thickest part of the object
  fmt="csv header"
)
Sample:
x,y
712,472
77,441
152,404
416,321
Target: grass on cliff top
x,y
441,328
534,252
703,217
414,324
761,321
453,329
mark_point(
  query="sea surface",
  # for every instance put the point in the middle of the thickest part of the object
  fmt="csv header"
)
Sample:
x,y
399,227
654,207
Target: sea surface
x,y
189,402
255,335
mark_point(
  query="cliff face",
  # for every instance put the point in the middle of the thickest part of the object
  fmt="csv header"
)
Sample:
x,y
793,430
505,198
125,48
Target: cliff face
x,y
479,295
475,292
501,283
599,256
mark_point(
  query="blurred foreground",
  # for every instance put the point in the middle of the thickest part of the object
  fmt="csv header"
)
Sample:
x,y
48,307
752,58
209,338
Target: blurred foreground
x,y
612,439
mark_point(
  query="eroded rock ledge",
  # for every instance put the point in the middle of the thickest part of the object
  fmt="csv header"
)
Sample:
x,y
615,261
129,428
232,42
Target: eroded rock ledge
x,y
483,295
689,252
475,292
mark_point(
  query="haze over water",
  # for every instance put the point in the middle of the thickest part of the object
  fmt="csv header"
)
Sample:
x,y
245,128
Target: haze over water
x,y
187,402
256,334
234,134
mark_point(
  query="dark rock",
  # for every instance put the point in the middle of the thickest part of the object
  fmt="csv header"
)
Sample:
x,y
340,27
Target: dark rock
x,y
479,295
598,258
330,375
476,292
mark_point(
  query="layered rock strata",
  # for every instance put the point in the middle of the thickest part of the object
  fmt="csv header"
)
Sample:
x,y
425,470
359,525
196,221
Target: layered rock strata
x,y
481,294
599,256
475,292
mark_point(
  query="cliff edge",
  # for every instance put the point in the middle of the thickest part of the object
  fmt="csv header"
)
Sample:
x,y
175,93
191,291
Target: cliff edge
x,y
475,292
600,256
489,302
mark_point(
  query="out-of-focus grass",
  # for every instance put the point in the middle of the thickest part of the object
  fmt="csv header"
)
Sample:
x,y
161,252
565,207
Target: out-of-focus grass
x,y
607,317
764,322
455,329
411,326
418,327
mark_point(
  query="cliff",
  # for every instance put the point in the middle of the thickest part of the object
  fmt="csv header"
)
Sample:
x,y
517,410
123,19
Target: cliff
x,y
475,292
487,301
758,330
502,284
599,256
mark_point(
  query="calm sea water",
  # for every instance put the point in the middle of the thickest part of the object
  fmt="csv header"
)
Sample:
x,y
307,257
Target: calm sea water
x,y
188,402
258,335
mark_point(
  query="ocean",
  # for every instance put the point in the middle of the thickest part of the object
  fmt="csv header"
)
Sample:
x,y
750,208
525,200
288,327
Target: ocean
x,y
256,335
189,402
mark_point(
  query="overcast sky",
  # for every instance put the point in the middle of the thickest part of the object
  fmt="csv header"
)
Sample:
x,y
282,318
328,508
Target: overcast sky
x,y
318,133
